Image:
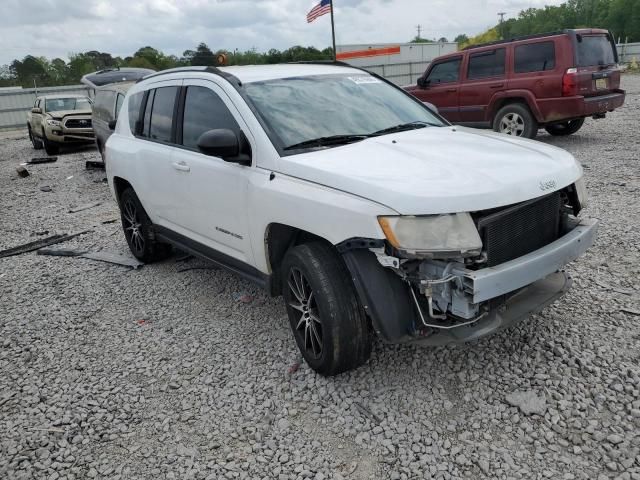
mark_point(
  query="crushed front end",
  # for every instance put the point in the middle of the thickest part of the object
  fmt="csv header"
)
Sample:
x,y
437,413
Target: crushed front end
x,y
454,278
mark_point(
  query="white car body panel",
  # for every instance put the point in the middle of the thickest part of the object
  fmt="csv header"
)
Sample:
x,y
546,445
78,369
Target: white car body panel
x,y
439,170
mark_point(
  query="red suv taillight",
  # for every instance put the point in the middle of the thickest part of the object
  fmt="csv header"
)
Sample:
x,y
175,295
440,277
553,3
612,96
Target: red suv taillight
x,y
570,82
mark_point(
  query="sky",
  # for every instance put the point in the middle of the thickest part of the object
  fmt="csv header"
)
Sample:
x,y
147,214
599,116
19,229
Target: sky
x,y
56,28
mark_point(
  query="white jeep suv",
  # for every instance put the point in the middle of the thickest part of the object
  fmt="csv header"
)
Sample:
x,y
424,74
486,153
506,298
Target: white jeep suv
x,y
358,204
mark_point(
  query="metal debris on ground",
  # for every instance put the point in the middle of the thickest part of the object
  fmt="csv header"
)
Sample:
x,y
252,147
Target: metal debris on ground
x,y
106,222
36,160
46,188
22,172
631,311
38,244
92,165
243,297
197,268
84,207
40,233
115,258
61,252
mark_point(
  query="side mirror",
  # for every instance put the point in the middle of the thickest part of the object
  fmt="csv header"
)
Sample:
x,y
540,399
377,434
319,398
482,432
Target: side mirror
x,y
112,124
423,82
431,107
225,144
36,110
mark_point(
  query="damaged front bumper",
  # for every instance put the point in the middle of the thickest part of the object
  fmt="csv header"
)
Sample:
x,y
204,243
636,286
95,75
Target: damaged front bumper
x,y
452,304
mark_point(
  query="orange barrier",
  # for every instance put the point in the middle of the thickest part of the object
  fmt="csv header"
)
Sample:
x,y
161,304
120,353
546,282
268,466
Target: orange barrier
x,y
369,52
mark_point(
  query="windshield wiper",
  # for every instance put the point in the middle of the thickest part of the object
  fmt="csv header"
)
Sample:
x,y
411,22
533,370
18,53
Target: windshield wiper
x,y
332,140
404,127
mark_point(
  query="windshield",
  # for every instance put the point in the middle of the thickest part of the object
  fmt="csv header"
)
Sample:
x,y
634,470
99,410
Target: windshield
x,y
59,104
301,109
594,50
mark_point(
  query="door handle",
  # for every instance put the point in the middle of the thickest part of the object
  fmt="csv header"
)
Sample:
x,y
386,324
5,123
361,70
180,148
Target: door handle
x,y
497,85
451,90
182,166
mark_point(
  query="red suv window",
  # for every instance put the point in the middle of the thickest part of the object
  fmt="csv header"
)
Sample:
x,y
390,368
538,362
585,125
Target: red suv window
x,y
486,64
445,72
535,57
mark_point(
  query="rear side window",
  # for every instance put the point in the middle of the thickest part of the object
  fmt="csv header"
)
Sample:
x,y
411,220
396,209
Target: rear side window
x,y
135,102
146,119
535,57
203,111
162,114
445,72
486,64
594,50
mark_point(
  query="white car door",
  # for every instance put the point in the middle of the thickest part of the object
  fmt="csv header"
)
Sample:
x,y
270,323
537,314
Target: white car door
x,y
217,214
160,181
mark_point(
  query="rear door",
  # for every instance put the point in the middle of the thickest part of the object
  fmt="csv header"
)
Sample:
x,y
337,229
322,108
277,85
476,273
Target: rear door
x,y
442,84
485,74
596,61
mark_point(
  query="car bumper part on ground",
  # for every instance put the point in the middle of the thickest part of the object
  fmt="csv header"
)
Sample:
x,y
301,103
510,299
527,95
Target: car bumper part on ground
x,y
558,109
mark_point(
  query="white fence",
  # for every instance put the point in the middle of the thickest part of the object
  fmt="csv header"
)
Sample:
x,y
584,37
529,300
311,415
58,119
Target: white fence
x,y
628,51
15,103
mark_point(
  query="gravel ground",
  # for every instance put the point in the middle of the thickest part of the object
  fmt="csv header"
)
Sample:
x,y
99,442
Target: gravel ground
x,y
107,372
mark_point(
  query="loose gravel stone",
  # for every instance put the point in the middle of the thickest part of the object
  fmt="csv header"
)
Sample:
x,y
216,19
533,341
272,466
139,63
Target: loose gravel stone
x,y
107,372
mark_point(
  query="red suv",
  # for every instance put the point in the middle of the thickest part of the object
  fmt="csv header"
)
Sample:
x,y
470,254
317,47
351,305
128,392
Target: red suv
x,y
554,80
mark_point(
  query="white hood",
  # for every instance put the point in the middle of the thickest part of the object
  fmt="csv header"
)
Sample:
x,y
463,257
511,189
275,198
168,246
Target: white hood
x,y
439,170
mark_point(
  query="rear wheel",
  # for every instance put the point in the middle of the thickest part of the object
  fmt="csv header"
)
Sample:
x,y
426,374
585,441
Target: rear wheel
x,y
565,128
516,119
328,323
138,230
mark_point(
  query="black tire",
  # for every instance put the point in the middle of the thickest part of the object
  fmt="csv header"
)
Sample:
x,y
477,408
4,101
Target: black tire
x,y
35,141
516,119
328,323
565,128
138,230
52,148
101,151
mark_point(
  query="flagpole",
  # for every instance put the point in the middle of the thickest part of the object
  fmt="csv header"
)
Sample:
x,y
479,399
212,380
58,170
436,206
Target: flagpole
x,y
333,35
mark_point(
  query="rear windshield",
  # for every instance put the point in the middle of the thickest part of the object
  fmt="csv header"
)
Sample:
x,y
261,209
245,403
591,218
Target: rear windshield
x,y
594,50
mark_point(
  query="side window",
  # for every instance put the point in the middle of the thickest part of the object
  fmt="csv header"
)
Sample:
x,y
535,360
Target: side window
x,y
104,99
486,64
135,102
535,57
146,120
162,114
119,101
445,72
203,111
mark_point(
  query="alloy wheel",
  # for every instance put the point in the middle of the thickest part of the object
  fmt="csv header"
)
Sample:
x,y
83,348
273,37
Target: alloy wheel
x,y
309,326
133,226
512,124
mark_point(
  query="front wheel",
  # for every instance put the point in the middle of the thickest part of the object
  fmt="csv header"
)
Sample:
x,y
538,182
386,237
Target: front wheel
x,y
138,230
565,128
50,147
328,323
36,142
516,119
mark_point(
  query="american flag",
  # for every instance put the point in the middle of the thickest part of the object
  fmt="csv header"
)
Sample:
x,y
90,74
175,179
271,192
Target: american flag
x,y
320,9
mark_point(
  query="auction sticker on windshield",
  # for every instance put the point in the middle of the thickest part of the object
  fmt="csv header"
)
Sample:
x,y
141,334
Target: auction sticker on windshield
x,y
364,79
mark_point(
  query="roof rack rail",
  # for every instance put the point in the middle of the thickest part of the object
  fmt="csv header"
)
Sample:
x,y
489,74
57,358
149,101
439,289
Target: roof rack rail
x,y
209,69
321,62
515,39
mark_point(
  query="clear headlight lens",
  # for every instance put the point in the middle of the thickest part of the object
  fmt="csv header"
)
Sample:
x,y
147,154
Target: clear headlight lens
x,y
581,191
54,123
433,234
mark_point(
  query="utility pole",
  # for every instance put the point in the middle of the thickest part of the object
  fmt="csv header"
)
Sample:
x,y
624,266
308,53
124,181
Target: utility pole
x,y
501,15
419,28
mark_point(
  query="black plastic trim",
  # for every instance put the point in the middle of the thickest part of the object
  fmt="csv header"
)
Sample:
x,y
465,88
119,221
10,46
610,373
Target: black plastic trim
x,y
356,243
234,265
384,296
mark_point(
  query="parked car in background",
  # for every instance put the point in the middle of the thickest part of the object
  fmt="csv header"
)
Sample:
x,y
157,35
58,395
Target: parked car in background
x,y
110,86
56,120
338,190
516,86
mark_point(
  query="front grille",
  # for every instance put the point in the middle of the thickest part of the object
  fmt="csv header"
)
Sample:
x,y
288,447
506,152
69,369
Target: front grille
x,y
78,123
520,229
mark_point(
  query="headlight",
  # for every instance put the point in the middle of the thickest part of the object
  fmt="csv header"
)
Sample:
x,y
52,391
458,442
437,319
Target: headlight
x,y
433,235
581,191
54,123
